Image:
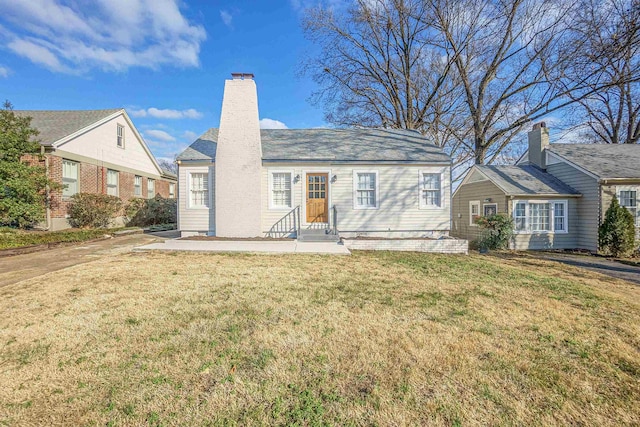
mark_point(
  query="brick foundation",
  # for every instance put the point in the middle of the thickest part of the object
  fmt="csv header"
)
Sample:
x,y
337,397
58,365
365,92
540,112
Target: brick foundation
x,y
443,246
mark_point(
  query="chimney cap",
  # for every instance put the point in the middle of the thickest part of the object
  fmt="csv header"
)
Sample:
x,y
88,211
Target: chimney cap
x,y
539,125
242,76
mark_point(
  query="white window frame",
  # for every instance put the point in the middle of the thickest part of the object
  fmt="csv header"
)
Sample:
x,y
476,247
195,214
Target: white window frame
x,y
272,204
151,195
473,203
120,138
552,210
77,166
620,188
172,190
137,187
117,185
190,204
421,202
355,189
484,212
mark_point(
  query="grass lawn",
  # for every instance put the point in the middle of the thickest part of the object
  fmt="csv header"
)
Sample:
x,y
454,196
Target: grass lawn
x,y
13,238
371,339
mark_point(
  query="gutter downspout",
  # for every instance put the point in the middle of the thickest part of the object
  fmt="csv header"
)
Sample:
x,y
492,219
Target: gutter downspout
x,y
47,190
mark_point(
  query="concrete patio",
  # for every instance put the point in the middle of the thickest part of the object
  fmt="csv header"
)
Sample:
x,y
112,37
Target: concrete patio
x,y
277,247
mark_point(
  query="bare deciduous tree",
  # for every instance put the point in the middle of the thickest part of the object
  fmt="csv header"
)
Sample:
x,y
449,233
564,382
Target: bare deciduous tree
x,y
611,31
378,67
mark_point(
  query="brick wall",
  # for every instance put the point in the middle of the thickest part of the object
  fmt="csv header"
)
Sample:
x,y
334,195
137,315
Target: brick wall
x,y
443,246
93,179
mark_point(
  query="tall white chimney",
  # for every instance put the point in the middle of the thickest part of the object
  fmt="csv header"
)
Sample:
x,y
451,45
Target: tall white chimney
x,y
538,141
238,161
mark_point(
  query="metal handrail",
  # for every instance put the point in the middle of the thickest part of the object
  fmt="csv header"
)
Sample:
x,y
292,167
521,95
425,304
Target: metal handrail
x,y
287,225
334,215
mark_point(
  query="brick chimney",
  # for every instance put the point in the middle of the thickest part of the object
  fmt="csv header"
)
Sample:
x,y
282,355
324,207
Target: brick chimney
x,y
238,164
538,141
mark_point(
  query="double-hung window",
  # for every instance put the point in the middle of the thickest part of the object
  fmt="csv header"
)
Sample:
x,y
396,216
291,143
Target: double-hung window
x,y
151,188
137,186
70,174
533,216
112,182
365,190
430,190
199,190
281,196
628,198
120,136
172,190
474,211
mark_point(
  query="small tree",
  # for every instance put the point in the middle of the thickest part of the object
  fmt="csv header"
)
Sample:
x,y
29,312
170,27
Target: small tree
x,y
22,186
617,232
496,229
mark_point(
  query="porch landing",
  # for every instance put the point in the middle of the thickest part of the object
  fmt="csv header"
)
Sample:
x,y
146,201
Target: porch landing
x,y
276,247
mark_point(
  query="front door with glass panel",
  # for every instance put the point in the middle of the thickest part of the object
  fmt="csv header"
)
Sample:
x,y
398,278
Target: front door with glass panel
x,y
317,198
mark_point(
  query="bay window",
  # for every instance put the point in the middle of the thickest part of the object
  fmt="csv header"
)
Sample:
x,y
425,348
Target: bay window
x,y
540,216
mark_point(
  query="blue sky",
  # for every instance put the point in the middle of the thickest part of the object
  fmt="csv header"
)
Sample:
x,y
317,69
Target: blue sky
x,y
165,61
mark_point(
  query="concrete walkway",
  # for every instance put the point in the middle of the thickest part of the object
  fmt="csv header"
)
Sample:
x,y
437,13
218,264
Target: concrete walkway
x,y
278,247
597,264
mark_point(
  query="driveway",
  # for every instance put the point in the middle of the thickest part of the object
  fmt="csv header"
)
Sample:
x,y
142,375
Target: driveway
x,y
14,269
597,264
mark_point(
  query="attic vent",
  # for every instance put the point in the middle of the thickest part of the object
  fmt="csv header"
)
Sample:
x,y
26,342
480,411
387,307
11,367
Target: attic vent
x,y
242,76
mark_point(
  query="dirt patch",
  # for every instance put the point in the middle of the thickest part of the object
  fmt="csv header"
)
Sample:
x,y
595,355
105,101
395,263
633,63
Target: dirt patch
x,y
238,239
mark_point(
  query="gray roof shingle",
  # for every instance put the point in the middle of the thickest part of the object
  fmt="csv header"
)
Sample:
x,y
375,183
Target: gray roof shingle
x,y
602,160
55,125
362,145
525,180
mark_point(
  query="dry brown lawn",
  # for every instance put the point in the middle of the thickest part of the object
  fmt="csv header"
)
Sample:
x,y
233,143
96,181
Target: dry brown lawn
x,y
371,339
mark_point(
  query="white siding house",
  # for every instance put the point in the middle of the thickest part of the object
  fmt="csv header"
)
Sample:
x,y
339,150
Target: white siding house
x,y
355,182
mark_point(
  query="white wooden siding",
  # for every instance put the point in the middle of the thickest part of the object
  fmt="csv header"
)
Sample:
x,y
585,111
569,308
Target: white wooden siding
x,y
195,219
398,210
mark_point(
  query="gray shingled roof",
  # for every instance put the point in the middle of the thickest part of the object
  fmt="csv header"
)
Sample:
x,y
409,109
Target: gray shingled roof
x,y
525,180
363,145
603,160
55,125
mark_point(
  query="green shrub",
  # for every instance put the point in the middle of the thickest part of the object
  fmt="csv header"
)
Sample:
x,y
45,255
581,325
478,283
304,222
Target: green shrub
x,y
616,234
93,210
496,231
146,212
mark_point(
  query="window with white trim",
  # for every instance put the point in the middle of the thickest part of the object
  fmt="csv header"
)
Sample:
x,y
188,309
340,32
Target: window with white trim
x,y
474,211
366,190
628,198
281,190
70,175
151,188
489,209
137,186
199,190
112,182
172,191
430,190
120,136
540,216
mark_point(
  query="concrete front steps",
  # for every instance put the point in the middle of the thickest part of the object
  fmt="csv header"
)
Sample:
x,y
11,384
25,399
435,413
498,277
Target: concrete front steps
x,y
317,235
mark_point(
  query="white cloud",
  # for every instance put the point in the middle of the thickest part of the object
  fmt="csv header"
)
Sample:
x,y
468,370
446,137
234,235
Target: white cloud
x,y
190,135
227,18
158,113
4,71
112,35
159,134
272,124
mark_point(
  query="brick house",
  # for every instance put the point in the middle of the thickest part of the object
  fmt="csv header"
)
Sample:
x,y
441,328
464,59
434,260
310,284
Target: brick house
x,y
96,151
